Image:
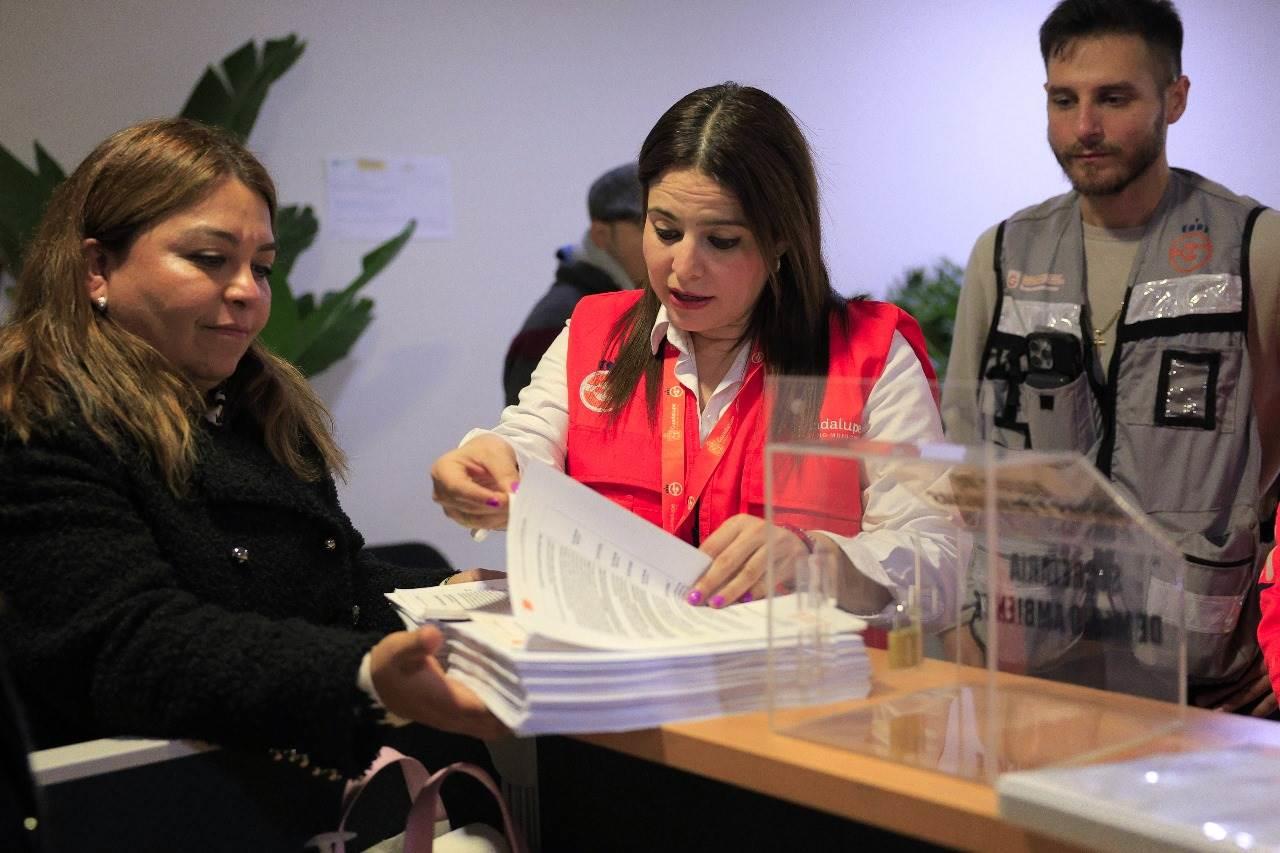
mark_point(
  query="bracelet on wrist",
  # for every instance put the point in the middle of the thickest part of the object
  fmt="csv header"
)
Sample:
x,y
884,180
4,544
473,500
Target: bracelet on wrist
x,y
802,535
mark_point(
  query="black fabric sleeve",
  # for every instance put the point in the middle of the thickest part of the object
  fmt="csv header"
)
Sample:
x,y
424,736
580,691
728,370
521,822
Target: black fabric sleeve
x,y
105,641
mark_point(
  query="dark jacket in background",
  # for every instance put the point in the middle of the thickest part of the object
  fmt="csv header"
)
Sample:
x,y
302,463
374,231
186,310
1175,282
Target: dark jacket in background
x,y
236,614
574,280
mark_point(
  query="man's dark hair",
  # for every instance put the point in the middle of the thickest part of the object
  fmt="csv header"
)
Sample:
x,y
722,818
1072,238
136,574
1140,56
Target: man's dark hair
x,y
615,196
1155,21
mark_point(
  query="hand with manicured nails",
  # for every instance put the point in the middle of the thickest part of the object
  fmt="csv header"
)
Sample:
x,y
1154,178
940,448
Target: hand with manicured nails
x,y
472,483
738,565
412,684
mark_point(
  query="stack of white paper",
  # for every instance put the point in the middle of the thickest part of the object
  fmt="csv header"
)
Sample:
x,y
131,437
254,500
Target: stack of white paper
x,y
596,637
537,686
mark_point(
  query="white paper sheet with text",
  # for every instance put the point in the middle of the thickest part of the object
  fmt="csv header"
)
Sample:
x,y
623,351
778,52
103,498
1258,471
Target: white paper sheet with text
x,y
583,570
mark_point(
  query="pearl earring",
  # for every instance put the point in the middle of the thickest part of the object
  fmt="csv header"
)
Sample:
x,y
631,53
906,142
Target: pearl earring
x,y
101,302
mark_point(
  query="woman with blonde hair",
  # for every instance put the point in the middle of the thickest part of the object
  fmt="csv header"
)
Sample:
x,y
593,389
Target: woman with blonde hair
x,y
176,562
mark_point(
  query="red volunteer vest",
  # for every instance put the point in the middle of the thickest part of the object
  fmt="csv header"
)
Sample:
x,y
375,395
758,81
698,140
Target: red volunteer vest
x,y
624,462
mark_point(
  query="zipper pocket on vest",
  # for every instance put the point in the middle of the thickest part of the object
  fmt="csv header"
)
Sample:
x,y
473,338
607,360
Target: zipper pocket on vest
x,y
1216,564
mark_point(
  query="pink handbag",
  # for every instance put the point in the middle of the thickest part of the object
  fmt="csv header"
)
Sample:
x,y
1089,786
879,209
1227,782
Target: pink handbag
x,y
424,794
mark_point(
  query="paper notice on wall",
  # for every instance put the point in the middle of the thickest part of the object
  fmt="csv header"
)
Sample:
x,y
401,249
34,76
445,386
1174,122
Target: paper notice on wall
x,y
373,198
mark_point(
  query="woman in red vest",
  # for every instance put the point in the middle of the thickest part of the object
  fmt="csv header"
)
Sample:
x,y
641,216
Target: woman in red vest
x,y
656,397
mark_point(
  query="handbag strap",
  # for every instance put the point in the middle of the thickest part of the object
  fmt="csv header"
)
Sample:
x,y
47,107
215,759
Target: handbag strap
x,y
420,827
424,792
416,778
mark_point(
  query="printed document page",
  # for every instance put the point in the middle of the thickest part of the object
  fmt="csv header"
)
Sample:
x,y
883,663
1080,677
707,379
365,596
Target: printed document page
x,y
451,603
583,570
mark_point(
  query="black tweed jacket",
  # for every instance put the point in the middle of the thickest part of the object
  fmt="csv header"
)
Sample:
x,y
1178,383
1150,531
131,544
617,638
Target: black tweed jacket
x,y
237,613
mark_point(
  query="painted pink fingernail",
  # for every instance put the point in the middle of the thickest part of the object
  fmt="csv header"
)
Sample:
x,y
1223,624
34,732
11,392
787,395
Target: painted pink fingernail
x,y
515,487
694,597
746,596
717,601
493,502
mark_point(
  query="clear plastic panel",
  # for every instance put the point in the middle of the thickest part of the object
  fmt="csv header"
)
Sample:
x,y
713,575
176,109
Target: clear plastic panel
x,y
1017,605
1210,293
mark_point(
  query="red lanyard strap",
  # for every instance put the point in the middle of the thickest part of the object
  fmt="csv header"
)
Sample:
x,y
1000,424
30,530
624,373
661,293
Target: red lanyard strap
x,y
682,487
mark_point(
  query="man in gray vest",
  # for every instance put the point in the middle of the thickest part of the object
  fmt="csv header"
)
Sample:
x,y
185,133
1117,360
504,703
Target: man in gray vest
x,y
1135,320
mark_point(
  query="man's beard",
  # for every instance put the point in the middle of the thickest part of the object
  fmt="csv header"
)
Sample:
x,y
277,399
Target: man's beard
x,y
1131,166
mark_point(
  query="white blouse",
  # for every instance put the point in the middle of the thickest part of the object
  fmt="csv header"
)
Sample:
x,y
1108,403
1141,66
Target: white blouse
x,y
896,526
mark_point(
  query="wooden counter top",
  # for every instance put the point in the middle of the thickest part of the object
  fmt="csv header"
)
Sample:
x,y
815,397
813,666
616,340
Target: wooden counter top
x,y
941,808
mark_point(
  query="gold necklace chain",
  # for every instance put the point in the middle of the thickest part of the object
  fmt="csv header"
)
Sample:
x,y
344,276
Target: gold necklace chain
x,y
1099,333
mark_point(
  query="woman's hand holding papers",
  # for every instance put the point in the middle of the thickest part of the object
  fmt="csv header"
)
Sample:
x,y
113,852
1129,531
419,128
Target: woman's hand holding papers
x,y
412,684
738,566
739,562
472,483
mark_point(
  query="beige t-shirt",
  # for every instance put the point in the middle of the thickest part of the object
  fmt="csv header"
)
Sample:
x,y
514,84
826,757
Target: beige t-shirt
x,y
1109,257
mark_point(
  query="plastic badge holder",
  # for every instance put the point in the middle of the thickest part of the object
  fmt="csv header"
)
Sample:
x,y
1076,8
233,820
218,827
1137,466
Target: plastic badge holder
x,y
1042,613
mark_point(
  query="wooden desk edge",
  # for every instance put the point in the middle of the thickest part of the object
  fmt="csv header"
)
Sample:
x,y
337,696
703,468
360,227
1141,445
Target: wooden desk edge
x,y
932,806
743,751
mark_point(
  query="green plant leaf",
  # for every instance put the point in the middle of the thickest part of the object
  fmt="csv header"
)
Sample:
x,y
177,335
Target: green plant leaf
x,y
930,295
334,306
233,98
296,229
306,304
48,169
23,196
282,335
340,335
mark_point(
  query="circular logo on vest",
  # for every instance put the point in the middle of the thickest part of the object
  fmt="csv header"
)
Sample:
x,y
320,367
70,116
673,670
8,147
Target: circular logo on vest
x,y
1190,251
591,391
673,489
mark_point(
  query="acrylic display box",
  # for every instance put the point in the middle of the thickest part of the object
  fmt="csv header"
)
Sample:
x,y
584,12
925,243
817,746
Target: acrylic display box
x,y
1041,613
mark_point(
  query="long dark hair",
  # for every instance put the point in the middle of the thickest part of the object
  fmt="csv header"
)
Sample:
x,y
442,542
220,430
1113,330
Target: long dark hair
x,y
749,143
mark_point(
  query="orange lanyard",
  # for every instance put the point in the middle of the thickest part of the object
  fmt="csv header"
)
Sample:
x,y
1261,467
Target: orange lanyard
x,y
682,488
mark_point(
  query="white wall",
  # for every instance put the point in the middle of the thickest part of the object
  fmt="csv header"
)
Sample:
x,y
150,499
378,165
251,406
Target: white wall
x,y
927,121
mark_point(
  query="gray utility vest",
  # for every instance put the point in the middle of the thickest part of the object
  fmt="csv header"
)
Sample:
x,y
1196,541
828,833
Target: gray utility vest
x,y
1171,420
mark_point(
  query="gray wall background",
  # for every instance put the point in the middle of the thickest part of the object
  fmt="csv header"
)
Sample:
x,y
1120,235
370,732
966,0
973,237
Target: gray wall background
x,y
927,120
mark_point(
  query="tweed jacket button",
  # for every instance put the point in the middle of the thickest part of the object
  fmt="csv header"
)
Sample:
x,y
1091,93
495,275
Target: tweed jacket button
x,y
330,544
240,555
355,614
